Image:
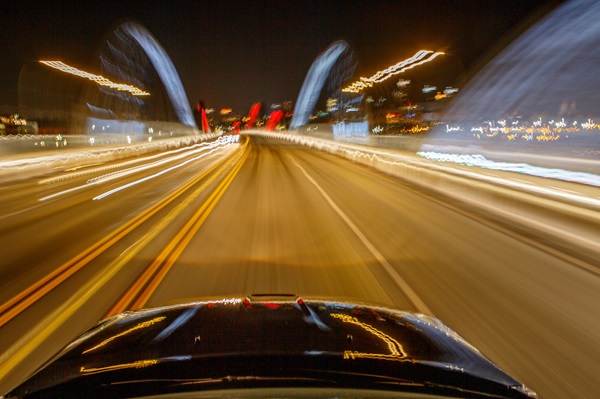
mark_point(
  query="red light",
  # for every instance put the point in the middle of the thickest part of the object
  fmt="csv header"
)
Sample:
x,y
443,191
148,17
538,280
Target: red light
x,y
252,115
205,126
274,120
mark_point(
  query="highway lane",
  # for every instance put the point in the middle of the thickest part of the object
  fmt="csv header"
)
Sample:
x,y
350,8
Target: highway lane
x,y
47,220
273,231
69,225
296,220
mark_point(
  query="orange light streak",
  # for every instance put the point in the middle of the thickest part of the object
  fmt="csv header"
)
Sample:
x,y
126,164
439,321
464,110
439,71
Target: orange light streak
x,y
101,80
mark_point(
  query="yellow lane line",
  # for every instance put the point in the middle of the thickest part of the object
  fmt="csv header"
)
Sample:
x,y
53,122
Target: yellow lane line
x,y
35,337
20,302
182,242
30,295
129,299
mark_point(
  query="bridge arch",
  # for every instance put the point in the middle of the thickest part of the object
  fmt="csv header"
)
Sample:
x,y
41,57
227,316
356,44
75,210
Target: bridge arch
x,y
314,82
165,70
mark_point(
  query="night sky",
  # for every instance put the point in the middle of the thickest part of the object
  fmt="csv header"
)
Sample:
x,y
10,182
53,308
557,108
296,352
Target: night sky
x,y
235,53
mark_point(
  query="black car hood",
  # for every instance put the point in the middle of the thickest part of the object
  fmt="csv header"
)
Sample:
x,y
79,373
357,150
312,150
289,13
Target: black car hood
x,y
268,341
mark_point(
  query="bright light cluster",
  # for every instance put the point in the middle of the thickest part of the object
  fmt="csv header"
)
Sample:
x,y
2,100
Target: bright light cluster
x,y
542,131
101,80
421,57
13,120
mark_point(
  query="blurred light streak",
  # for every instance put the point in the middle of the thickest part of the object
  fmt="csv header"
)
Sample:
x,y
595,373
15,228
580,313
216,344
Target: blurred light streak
x,y
524,168
395,348
101,80
220,143
380,76
120,173
115,190
76,173
134,365
141,325
178,322
274,119
254,110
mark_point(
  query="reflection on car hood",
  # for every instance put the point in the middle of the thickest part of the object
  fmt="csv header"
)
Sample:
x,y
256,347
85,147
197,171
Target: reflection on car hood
x,y
266,341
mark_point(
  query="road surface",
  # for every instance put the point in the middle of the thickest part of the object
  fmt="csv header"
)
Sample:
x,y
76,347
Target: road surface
x,y
267,216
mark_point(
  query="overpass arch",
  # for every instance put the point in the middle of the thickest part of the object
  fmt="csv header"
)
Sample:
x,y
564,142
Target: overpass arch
x,y
314,81
164,68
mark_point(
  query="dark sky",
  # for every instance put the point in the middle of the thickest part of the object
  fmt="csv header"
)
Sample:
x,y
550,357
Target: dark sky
x,y
235,53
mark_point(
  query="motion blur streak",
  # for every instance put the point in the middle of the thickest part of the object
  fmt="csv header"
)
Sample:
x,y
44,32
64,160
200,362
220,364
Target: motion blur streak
x,y
91,170
399,159
115,190
19,167
101,80
482,162
396,69
554,61
220,143
26,298
129,331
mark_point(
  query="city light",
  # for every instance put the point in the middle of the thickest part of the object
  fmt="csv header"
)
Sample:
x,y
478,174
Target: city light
x,y
421,57
101,80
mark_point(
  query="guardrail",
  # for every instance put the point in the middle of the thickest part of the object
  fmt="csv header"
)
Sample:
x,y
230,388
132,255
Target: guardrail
x,y
566,221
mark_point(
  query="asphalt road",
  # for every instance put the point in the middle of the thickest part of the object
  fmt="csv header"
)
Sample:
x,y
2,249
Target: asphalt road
x,y
295,220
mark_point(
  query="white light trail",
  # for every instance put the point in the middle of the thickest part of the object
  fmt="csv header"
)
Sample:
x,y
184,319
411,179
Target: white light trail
x,y
101,80
524,168
189,151
75,173
220,143
380,76
115,190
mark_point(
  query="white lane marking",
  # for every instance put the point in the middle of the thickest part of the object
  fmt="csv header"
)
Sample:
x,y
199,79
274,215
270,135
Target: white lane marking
x,y
162,172
210,147
412,296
